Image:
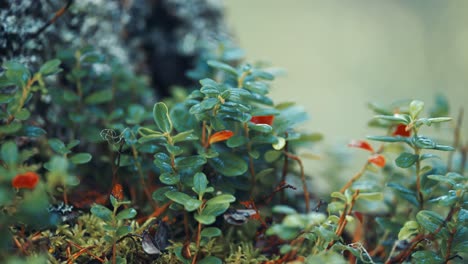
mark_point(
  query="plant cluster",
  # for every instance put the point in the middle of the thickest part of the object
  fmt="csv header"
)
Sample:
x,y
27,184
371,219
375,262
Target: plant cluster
x,y
216,165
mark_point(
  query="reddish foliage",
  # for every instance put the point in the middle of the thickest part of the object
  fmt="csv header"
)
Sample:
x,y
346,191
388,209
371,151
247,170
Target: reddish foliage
x,y
117,192
267,120
27,180
361,144
377,159
401,130
220,136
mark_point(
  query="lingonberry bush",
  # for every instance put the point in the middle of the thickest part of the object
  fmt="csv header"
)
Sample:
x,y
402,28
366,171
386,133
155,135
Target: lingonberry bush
x,y
94,169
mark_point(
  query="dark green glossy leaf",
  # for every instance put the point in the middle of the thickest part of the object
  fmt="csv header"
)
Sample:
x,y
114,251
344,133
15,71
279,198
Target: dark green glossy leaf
x,y
136,114
101,212
200,182
33,131
210,232
184,136
99,97
229,164
263,128
9,152
451,178
221,199
236,141
161,117
16,73
58,146
122,231
210,260
23,114
406,160
189,162
50,67
426,257
223,66
389,139
430,220
81,158
160,193
283,209
404,193
205,218
215,209
169,178
127,213
188,202
10,128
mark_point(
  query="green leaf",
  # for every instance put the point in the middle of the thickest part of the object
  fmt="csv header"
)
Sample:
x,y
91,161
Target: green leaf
x,y
17,73
426,257
223,66
429,220
263,128
70,96
215,209
9,153
375,196
210,232
169,178
423,142
283,209
10,128
200,182
161,117
229,164
91,57
50,67
397,118
33,131
81,158
406,160
404,193
236,141
210,260
190,162
409,229
205,218
101,212
23,114
123,230
99,97
272,155
388,138
136,114
223,198
190,204
128,213
451,178
184,136
160,193
415,108
338,195
58,146
73,143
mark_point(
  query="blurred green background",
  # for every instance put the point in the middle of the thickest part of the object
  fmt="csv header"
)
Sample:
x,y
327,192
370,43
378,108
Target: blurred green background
x,y
340,55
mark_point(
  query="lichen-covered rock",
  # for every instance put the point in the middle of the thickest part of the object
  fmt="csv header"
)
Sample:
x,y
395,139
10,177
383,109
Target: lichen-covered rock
x,y
161,38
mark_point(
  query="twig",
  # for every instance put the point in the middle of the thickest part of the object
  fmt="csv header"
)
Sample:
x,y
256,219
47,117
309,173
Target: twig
x,y
456,139
304,183
285,168
57,14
